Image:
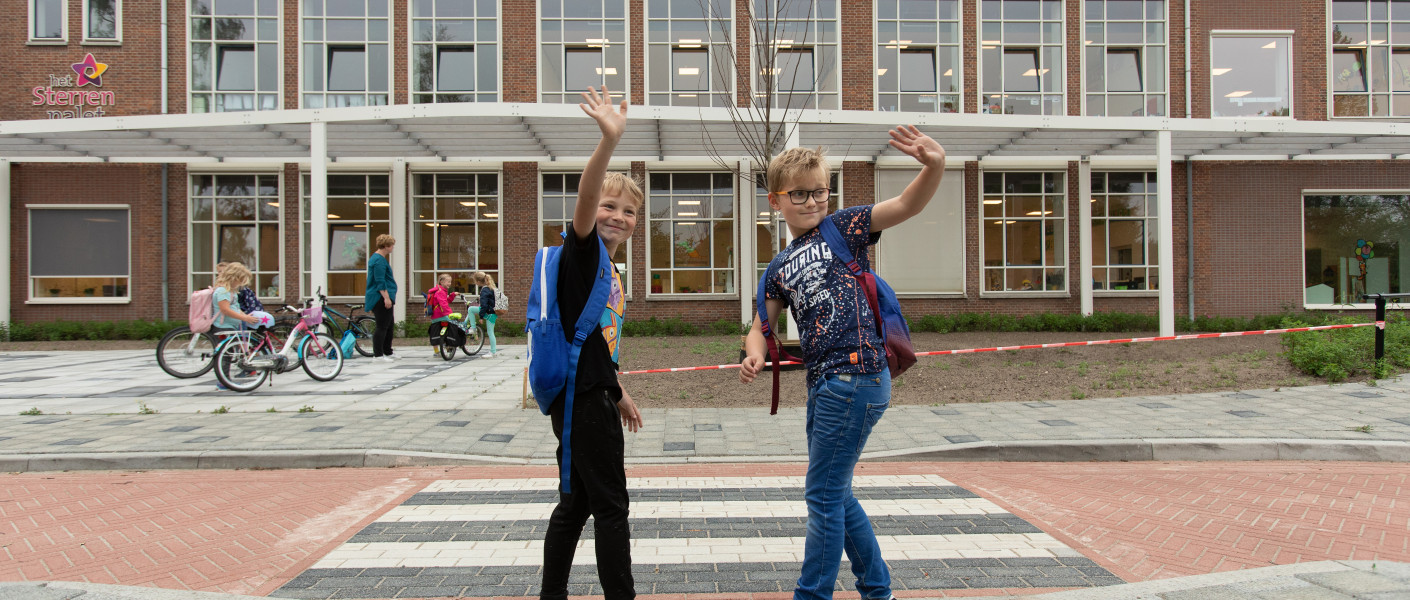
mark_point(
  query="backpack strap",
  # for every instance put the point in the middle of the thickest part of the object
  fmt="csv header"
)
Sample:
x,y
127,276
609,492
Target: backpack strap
x,y
776,352
586,325
834,240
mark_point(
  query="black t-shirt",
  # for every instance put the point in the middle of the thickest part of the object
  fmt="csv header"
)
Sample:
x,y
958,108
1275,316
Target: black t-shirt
x,y
576,272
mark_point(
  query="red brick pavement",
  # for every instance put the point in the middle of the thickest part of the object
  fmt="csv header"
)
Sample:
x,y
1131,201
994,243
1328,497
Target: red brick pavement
x,y
251,531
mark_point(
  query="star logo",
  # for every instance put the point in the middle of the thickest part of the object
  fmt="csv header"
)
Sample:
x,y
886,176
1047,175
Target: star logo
x,y
90,71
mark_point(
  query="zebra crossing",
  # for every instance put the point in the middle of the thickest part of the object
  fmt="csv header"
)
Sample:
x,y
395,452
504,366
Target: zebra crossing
x,y
725,535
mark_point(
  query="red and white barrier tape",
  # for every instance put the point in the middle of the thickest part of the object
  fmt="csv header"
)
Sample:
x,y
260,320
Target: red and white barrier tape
x,y
1166,338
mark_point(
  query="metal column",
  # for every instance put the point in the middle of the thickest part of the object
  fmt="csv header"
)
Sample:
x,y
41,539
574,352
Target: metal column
x,y
5,243
746,257
318,208
1084,234
1166,236
402,232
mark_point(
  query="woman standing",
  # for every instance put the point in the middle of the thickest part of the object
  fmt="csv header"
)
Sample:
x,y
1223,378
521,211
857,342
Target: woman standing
x,y
381,288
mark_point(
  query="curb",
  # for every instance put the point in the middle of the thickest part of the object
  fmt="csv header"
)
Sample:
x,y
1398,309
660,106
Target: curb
x,y
1119,450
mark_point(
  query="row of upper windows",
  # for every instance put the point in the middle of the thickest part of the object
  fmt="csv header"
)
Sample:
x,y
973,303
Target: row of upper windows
x,y
345,56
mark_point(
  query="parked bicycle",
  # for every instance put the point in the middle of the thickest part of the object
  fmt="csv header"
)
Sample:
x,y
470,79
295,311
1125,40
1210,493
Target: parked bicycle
x,y
464,333
185,354
361,326
247,359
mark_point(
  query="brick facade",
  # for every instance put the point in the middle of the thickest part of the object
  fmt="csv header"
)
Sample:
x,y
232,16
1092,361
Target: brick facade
x,y
1254,207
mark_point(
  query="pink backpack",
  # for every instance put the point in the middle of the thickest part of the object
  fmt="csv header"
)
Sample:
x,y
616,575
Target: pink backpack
x,y
201,314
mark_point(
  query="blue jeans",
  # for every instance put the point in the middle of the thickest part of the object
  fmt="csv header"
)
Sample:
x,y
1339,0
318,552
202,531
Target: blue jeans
x,y
842,409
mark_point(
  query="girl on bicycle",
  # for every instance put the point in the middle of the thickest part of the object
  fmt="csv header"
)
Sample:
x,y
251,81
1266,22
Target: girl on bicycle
x,y
486,308
228,316
439,299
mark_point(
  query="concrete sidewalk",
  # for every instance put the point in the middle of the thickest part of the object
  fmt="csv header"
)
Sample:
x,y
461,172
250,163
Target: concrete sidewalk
x,y
125,413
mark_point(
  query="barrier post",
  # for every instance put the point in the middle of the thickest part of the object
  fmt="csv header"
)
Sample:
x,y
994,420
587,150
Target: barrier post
x,y
1380,327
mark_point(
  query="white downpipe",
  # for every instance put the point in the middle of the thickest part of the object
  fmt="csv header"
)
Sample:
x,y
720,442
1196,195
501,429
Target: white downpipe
x,y
318,208
748,267
403,235
1084,234
1166,241
5,242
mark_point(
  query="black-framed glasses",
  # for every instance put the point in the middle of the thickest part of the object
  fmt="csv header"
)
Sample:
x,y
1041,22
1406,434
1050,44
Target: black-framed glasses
x,y
802,196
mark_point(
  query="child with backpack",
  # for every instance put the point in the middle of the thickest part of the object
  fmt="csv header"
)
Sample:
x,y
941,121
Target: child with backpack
x,y
438,308
489,305
849,383
228,316
604,218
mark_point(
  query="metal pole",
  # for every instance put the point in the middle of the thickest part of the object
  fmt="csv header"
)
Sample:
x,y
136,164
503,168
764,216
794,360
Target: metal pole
x,y
5,225
1380,327
1084,234
318,208
1165,239
166,259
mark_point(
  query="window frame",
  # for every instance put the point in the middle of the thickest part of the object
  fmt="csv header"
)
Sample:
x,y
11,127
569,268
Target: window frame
x,y
734,265
826,87
881,99
1058,97
413,247
479,94
117,26
544,46
191,223
29,256
1302,256
215,97
1151,226
347,98
1064,241
1144,53
1368,57
711,46
1281,34
305,241
569,202
63,38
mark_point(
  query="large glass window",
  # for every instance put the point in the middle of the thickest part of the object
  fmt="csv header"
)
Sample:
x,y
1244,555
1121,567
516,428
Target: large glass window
x,y
560,195
1126,53
688,52
1352,245
692,233
79,253
345,53
455,51
1024,232
235,62
1124,231
47,20
1021,57
236,218
456,229
796,52
1370,62
1251,76
918,55
359,210
583,43
102,20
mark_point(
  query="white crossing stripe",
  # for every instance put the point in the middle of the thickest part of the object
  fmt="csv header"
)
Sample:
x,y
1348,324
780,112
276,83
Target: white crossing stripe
x,y
687,550
689,510
687,483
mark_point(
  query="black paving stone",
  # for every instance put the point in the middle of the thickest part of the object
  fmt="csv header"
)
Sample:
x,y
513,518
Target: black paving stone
x,y
384,416
325,428
1401,420
308,594
181,429
496,437
944,411
973,562
44,421
205,439
1057,581
1057,422
678,446
708,427
121,422
1246,413
1240,395
1154,405
73,442
739,587
1039,404
1364,394
452,423
961,439
428,592
995,582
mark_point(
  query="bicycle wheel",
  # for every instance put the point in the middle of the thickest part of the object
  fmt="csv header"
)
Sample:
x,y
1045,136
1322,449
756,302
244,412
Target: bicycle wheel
x,y
452,338
474,341
185,354
322,358
363,328
234,368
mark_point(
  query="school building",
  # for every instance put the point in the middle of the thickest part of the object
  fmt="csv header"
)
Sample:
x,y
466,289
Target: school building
x,y
1151,156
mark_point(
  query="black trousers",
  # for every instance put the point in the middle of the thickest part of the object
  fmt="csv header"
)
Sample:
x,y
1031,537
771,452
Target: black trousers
x,y
599,484
382,336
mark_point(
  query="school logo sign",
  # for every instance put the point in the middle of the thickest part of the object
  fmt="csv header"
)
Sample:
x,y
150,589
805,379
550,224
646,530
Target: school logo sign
x,y
65,91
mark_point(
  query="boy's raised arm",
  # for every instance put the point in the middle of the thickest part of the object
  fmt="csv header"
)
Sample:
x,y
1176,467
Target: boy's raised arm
x,y
613,123
913,199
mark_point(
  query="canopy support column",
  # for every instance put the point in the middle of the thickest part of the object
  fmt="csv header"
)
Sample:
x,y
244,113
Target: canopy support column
x,y
5,244
747,255
318,208
403,235
1166,237
1084,234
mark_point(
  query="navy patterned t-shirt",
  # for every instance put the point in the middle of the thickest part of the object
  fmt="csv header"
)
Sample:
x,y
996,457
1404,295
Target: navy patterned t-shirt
x,y
835,322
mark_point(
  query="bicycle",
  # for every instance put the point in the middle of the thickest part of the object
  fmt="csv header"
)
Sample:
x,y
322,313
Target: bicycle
x,y
460,333
361,326
185,354
246,359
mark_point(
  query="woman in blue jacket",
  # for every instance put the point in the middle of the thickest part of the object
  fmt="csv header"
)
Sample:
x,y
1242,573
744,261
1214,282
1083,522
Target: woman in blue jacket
x,y
381,289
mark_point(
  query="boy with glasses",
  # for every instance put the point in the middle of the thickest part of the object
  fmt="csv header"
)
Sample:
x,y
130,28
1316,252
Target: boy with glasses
x,y
849,384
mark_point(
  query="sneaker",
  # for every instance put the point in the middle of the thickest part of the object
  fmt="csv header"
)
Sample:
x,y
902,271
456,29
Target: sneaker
x,y
386,358
220,388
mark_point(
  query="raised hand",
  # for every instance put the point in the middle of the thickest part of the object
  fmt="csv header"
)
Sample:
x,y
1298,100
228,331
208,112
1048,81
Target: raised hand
x,y
599,106
917,145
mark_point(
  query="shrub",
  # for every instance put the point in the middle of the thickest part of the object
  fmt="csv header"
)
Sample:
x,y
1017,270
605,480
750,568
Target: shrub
x,y
654,327
1337,354
87,330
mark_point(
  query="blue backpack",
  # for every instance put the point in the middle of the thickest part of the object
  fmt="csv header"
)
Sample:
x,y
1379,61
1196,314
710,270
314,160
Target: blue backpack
x,y
553,362
890,324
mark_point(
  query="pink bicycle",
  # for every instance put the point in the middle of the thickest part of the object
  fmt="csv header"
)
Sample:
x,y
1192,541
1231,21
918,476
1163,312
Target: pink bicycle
x,y
247,359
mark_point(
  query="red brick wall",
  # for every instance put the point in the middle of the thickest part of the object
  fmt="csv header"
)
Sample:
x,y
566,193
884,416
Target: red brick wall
x,y
636,52
858,75
132,73
969,55
519,24
520,217
1310,43
743,51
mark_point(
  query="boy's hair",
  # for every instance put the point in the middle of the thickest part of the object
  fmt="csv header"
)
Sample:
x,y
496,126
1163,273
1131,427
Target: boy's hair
x,y
482,278
626,185
793,162
233,277
385,240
